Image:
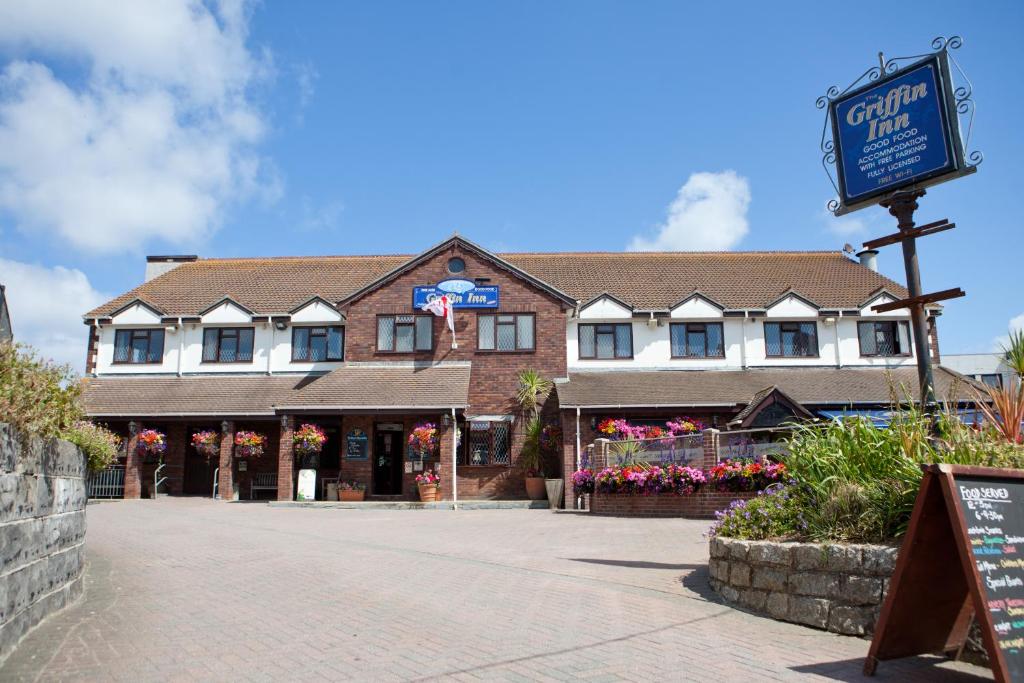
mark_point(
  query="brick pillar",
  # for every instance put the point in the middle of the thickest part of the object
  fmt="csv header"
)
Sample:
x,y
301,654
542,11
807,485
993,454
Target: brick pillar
x,y
447,441
710,443
225,480
933,340
133,464
569,455
174,457
286,460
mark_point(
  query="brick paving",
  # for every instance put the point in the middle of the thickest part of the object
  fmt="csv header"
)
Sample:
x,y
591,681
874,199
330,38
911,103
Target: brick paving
x,y
191,589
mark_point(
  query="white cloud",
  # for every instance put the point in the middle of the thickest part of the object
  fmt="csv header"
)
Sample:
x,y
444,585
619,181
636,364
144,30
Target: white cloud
x,y
152,143
1015,325
46,306
709,213
845,227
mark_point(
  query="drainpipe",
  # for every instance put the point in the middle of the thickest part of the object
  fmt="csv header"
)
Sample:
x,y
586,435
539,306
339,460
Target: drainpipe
x,y
181,343
577,438
839,359
455,461
743,339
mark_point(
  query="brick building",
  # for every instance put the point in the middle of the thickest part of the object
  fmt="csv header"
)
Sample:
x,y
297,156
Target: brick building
x,y
265,344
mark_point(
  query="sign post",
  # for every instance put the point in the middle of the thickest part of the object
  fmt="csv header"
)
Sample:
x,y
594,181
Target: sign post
x,y
894,132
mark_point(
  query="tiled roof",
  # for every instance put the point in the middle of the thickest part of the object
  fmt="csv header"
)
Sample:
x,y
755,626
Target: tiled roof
x,y
719,388
376,386
643,280
367,387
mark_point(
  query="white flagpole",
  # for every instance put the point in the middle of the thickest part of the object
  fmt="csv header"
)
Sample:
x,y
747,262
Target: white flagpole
x,y
450,319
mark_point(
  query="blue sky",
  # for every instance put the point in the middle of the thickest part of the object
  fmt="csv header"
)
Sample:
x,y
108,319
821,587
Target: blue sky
x,y
233,129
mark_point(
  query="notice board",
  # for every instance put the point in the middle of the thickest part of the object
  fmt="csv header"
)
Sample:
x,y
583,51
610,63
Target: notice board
x,y
963,557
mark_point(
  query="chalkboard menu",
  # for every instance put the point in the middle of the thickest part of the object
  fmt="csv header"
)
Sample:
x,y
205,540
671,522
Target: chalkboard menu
x,y
962,560
356,445
994,518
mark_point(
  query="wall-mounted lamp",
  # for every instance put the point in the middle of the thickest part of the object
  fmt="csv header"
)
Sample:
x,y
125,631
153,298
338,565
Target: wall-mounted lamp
x,y
446,419
830,321
281,325
172,328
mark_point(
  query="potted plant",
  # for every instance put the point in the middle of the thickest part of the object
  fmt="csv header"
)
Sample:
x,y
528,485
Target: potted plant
x,y
351,491
206,443
249,444
428,484
151,445
533,389
308,441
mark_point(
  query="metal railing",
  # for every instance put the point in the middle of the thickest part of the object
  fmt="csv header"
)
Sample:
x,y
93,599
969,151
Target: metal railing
x,y
157,479
108,483
669,450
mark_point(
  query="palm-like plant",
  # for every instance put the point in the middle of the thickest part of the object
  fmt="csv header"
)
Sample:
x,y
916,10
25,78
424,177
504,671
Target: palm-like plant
x,y
533,389
1013,353
1005,411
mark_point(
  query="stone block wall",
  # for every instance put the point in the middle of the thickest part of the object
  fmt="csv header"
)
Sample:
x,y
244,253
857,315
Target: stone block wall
x,y
838,587
42,531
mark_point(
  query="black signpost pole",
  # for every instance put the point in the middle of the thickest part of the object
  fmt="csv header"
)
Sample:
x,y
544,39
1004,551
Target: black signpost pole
x,y
902,206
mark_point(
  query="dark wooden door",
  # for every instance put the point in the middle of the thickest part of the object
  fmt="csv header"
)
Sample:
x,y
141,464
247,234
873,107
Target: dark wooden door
x,y
387,462
198,473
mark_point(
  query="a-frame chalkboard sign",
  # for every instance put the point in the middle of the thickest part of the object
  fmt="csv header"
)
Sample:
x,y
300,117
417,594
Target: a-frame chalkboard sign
x,y
963,556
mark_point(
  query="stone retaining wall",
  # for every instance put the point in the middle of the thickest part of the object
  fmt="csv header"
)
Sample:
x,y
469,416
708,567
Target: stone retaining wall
x,y
701,505
838,587
42,531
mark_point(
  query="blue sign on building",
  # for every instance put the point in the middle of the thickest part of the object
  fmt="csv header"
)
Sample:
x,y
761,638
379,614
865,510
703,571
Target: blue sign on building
x,y
461,292
894,133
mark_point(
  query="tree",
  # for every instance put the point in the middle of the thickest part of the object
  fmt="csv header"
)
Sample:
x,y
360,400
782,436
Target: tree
x,y
1013,352
533,389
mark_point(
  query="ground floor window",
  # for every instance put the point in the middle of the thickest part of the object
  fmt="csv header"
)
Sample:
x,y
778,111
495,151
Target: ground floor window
x,y
487,443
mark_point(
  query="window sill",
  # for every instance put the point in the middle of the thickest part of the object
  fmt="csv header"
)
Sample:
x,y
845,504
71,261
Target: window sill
x,y
128,362
697,357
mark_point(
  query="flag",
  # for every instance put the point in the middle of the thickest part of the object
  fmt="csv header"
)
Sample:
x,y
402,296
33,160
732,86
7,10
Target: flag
x,y
442,308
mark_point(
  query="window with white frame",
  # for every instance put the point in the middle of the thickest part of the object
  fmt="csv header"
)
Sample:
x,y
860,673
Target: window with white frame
x,y
505,332
405,333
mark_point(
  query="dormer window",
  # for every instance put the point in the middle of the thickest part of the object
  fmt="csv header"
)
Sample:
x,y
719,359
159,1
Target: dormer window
x,y
697,340
606,341
139,346
791,340
227,344
884,338
318,343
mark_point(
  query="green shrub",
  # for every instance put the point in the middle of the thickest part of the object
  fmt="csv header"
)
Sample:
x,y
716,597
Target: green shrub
x,y
98,443
37,396
776,513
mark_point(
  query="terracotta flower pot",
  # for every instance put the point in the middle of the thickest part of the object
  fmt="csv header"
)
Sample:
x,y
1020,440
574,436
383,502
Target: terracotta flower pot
x,y
351,496
535,488
428,493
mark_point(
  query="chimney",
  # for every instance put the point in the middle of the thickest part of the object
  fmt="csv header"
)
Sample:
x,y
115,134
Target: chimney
x,y
158,265
869,259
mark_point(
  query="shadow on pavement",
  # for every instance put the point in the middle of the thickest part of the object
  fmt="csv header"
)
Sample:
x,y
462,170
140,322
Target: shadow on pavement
x,y
909,669
636,564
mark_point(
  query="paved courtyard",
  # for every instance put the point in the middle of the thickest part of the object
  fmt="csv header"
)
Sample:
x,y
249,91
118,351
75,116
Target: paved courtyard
x,y
191,589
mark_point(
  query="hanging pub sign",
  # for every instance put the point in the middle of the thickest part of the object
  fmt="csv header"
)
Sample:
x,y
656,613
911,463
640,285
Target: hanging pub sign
x,y
461,292
356,445
962,559
899,131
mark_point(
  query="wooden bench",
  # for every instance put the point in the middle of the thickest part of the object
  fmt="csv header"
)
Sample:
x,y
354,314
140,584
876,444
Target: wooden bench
x,y
262,481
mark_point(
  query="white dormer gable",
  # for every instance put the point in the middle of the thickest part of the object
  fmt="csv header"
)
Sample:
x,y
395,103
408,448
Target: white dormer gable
x,y
883,297
316,310
792,305
136,313
227,311
696,306
605,307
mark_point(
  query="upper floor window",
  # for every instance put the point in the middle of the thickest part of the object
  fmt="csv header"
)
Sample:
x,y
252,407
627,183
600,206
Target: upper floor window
x,y
993,380
697,340
318,343
227,344
791,340
139,346
505,332
606,341
884,338
405,333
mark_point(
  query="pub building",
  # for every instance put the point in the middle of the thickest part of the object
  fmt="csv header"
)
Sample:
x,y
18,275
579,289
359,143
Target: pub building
x,y
734,339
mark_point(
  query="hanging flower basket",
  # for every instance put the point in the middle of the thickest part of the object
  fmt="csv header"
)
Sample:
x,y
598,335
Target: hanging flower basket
x,y
424,439
308,439
206,443
151,444
249,444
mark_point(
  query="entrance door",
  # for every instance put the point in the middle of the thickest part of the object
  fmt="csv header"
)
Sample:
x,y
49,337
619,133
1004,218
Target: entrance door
x,y
387,460
198,473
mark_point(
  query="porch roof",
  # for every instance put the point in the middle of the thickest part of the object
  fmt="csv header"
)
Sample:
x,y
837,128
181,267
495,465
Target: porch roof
x,y
737,388
372,388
